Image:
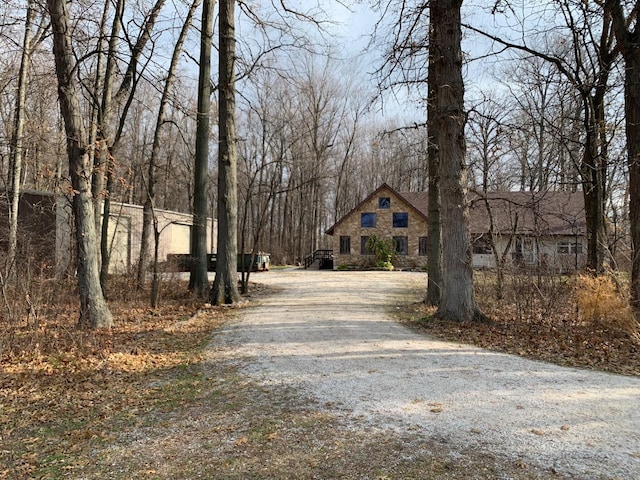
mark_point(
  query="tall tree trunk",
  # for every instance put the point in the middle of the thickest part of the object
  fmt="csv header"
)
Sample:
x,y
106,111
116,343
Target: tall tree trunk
x,y
628,41
148,217
434,240
101,158
94,312
632,107
198,281
595,156
593,190
109,137
17,139
225,286
458,301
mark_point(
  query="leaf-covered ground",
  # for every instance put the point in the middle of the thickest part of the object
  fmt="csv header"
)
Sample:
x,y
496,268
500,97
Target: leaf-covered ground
x,y
540,318
63,389
73,403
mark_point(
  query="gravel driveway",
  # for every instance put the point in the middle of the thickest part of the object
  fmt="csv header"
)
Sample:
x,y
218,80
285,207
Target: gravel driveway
x,y
331,335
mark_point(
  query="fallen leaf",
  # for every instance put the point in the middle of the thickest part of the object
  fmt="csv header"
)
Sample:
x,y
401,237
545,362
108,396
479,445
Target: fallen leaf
x,y
241,441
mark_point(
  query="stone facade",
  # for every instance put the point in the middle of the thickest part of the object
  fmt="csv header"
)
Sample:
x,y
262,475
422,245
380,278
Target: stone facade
x,y
543,229
386,215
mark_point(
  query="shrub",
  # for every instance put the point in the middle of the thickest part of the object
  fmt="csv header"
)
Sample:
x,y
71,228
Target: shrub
x,y
385,266
384,251
601,305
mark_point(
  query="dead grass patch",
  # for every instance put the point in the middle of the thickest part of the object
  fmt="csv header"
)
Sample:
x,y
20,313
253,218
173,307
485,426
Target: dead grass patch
x,y
540,318
63,389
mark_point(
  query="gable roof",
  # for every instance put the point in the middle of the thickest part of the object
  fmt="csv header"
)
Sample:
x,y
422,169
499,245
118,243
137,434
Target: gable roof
x,y
532,213
382,187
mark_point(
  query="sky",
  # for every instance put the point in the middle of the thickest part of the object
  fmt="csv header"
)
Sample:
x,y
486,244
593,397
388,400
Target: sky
x,y
354,26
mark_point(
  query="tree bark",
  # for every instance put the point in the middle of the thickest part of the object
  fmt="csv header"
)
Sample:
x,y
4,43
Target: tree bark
x,y
17,140
458,301
434,240
225,285
198,281
94,312
628,44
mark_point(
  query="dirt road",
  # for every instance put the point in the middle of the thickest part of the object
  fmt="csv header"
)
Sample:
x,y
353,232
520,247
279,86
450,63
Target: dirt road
x,y
332,336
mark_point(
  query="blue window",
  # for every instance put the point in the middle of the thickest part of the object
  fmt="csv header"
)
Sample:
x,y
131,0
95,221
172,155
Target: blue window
x,y
368,220
384,202
400,220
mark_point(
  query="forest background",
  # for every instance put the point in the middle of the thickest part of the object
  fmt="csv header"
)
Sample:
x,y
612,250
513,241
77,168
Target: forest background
x,y
320,123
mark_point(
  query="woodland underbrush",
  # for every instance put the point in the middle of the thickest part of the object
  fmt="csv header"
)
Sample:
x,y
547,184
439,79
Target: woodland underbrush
x,y
574,320
63,388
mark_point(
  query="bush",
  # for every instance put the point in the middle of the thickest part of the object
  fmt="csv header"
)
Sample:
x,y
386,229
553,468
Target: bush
x,y
384,251
601,305
385,266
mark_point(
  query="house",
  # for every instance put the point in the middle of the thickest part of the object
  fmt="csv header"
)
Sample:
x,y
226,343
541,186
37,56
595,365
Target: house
x,y
544,229
48,218
385,214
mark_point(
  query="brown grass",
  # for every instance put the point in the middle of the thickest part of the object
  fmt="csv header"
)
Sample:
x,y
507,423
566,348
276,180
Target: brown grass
x,y
603,306
62,387
572,321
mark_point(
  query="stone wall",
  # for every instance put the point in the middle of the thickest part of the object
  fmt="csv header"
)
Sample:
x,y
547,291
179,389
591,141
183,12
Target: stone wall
x,y
351,226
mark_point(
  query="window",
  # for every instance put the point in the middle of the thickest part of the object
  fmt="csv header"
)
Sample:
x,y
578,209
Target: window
x,y
384,202
573,248
363,246
402,245
368,220
423,246
563,247
400,220
345,245
481,246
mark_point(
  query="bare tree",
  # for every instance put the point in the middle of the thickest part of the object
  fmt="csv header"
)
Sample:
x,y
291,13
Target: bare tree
x,y
225,285
625,25
458,301
149,219
94,312
198,281
584,57
488,146
31,39
109,138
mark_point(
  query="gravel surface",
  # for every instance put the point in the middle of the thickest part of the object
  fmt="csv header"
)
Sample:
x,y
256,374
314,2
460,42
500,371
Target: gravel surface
x,y
332,336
